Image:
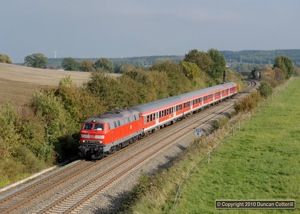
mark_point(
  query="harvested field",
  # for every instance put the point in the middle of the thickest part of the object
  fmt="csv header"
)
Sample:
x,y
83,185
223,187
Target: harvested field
x,y
18,83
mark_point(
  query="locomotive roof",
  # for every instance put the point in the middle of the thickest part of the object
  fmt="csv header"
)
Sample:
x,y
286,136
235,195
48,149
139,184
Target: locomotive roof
x,y
179,98
111,116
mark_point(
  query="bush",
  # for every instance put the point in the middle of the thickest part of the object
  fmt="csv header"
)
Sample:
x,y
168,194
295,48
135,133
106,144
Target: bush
x,y
9,136
248,103
265,89
57,121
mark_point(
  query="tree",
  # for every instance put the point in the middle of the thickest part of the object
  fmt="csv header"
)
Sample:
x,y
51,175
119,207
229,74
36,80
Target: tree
x,y
87,66
218,65
36,60
104,64
5,59
190,70
201,59
69,64
177,82
286,65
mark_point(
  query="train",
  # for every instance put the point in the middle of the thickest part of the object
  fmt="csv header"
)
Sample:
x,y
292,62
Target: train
x,y
106,133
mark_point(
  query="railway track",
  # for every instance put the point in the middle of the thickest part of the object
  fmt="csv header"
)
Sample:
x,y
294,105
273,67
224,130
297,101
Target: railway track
x,y
66,190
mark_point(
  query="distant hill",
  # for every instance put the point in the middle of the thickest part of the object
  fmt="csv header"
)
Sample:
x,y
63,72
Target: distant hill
x,y
260,57
255,57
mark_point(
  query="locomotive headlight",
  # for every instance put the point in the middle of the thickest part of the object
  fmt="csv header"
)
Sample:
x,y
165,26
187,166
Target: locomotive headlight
x,y
99,136
85,136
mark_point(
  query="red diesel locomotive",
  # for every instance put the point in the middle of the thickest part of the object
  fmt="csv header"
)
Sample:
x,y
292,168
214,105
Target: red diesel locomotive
x,y
108,132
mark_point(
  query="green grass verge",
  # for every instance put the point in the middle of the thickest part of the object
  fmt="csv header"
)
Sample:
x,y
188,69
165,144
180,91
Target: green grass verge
x,y
261,161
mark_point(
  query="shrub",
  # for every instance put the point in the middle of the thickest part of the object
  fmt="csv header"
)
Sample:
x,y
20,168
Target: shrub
x,y
57,121
265,89
248,103
8,137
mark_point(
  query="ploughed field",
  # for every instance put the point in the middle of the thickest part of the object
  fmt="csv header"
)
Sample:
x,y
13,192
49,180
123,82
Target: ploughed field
x,y
18,83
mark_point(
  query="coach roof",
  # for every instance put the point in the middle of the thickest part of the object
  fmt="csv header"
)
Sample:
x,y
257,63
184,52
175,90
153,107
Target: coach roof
x,y
153,106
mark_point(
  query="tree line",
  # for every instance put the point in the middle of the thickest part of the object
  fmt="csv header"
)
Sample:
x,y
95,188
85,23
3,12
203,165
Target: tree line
x,y
240,61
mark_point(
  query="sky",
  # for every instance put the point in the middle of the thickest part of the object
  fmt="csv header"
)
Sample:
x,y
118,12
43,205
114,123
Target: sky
x,y
130,28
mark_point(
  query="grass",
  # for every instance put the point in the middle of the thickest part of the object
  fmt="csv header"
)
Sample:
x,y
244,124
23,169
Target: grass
x,y
261,161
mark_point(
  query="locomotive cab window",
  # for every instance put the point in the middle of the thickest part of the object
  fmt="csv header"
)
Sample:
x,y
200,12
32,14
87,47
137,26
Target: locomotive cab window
x,y
88,126
99,127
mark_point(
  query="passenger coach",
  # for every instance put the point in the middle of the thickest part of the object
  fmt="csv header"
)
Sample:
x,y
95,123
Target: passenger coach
x,y
167,111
